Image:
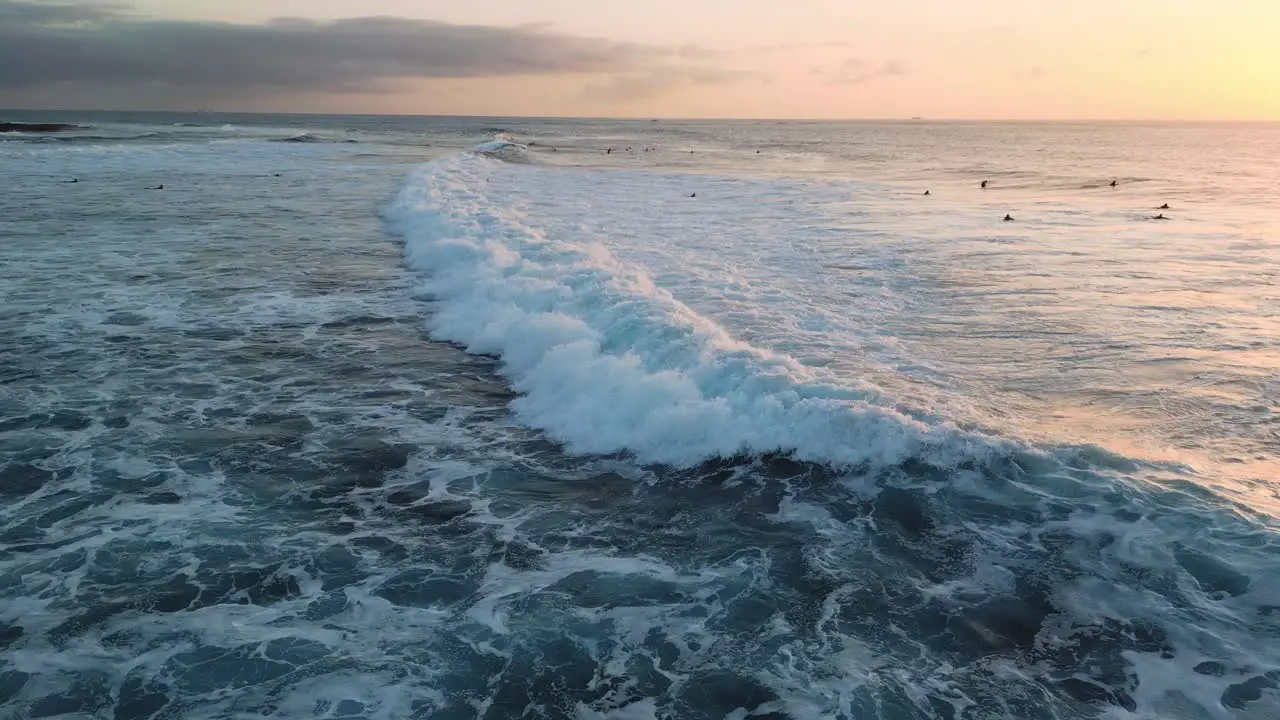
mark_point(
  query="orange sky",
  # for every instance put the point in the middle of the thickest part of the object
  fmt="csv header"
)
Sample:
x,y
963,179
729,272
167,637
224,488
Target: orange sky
x,y
1014,59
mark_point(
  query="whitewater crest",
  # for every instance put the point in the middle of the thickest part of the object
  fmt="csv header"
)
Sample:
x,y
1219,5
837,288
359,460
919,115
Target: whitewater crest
x,y
605,361
499,143
311,138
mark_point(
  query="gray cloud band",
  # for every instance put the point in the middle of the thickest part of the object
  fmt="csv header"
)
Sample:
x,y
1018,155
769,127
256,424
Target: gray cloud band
x,y
50,43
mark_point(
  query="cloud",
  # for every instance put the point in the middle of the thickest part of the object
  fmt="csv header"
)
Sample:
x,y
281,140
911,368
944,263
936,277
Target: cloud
x,y
792,47
660,81
696,52
67,44
855,71
52,12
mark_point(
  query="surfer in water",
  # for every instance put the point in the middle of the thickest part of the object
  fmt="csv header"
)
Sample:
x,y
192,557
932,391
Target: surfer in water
x,y
1160,217
158,187
983,185
1008,217
1113,183
1163,207
926,192
72,180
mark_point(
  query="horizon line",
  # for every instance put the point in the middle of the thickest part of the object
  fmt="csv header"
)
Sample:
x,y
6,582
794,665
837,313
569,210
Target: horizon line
x,y
661,118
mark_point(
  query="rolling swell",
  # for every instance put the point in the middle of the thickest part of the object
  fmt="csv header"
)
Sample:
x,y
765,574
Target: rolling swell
x,y
931,556
947,555
607,362
254,490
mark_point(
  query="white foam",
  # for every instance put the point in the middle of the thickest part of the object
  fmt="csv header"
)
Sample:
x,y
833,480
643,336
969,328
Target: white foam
x,y
496,145
645,709
606,361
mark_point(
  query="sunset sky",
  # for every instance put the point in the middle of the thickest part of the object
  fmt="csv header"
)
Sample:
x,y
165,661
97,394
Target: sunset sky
x,y
1015,59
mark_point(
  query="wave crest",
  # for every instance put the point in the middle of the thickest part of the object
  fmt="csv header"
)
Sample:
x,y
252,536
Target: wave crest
x,y
605,361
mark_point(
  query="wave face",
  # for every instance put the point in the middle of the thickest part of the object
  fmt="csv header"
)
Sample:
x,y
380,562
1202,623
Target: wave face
x,y
606,361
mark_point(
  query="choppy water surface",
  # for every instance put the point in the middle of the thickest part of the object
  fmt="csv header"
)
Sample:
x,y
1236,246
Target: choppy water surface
x,y
353,420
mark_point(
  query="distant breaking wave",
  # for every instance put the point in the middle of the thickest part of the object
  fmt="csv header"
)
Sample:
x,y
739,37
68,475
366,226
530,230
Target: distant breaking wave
x,y
310,138
504,148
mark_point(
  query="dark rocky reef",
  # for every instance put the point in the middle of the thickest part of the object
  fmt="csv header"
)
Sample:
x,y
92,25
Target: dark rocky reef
x,y
14,127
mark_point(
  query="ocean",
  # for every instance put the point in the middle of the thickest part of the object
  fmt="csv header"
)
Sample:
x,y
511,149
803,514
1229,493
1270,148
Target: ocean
x,y
366,417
